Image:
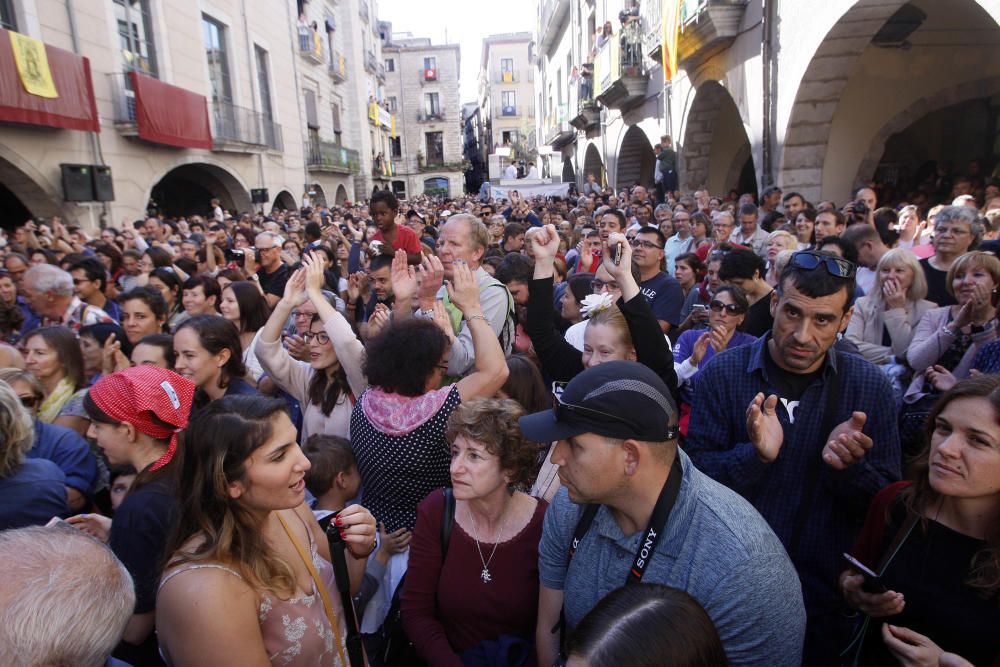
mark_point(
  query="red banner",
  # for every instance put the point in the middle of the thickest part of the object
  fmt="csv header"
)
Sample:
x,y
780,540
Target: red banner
x,y
74,109
170,115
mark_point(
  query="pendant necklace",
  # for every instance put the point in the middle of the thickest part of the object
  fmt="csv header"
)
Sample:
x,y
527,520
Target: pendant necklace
x,y
485,574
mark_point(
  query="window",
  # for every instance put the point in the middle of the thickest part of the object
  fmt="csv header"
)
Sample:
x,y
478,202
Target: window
x,y
264,82
396,147
506,64
7,19
507,137
312,115
508,103
431,62
432,105
214,36
392,104
390,64
434,147
135,34
336,121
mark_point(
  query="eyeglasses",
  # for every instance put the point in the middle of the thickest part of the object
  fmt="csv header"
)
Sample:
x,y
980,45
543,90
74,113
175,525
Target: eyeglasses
x,y
319,336
835,266
302,316
648,245
598,285
77,281
731,308
259,249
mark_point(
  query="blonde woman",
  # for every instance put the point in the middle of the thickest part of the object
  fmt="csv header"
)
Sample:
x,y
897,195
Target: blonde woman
x,y
777,242
884,321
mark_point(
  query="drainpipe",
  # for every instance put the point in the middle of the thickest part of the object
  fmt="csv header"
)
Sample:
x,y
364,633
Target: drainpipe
x,y
769,84
293,26
95,138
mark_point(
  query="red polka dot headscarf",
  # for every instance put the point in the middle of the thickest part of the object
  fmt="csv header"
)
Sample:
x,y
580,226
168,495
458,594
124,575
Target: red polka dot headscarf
x,y
136,393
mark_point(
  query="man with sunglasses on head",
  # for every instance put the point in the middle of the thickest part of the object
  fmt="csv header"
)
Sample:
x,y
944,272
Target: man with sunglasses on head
x,y
805,433
634,509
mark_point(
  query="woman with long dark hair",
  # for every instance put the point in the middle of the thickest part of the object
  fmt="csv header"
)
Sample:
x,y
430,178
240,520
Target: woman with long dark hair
x,y
244,305
249,579
136,418
327,386
934,542
208,353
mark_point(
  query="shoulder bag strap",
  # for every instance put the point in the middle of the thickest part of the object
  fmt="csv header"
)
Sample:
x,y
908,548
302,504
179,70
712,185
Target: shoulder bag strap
x,y
815,463
320,588
897,541
447,519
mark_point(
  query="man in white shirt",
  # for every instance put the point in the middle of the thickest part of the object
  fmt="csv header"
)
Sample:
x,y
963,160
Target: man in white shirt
x,y
533,171
510,173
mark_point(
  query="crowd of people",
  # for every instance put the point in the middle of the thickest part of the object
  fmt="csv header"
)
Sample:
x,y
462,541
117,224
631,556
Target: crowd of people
x,y
642,427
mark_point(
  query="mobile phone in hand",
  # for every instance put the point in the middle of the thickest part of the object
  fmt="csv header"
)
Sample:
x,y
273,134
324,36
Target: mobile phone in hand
x,y
872,583
617,257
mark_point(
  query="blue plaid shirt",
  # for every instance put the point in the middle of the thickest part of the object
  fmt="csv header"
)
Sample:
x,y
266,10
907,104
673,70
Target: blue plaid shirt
x,y
718,444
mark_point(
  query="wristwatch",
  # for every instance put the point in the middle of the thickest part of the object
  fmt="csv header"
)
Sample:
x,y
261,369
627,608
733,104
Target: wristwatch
x,y
255,278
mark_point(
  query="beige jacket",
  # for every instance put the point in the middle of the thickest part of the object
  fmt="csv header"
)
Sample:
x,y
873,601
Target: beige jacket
x,y
865,328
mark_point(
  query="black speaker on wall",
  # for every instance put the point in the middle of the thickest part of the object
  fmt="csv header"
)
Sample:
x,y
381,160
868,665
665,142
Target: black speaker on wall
x,y
104,189
77,183
259,196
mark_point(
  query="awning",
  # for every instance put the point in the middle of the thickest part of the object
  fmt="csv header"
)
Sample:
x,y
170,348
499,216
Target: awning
x,y
170,115
73,109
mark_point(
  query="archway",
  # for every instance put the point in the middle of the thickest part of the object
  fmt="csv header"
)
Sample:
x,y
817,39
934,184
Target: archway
x,y
21,197
285,200
568,172
593,164
188,189
319,195
341,195
878,59
636,160
716,149
399,188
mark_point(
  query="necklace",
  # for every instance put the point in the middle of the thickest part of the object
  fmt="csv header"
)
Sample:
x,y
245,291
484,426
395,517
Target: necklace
x,y
485,574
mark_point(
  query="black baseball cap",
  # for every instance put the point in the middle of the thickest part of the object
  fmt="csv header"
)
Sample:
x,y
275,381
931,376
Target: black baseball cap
x,y
617,399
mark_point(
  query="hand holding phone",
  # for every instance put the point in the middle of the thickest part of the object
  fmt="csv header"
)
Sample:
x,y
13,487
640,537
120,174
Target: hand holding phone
x,y
617,257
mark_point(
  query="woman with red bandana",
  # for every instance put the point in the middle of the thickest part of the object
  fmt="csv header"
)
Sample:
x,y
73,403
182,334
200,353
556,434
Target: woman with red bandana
x,y
136,417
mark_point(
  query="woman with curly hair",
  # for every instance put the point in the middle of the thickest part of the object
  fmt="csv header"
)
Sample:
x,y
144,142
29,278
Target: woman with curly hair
x,y
485,605
935,542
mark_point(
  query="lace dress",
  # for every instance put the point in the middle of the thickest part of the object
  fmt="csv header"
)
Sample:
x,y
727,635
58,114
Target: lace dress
x,y
296,631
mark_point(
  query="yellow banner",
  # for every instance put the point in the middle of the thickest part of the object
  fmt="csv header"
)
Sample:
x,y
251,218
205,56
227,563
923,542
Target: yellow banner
x,y
671,14
33,65
393,133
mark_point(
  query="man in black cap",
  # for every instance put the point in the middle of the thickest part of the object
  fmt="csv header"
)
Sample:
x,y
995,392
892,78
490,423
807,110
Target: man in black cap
x,y
634,508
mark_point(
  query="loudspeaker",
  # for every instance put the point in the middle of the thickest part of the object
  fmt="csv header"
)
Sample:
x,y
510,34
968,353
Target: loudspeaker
x,y
104,189
259,196
77,182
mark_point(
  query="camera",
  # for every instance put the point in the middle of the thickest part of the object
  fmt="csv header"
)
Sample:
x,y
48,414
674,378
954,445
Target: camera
x,y
860,209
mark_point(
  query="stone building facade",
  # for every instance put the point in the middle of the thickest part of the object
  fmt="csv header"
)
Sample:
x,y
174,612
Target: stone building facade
x,y
816,97
193,101
506,89
422,87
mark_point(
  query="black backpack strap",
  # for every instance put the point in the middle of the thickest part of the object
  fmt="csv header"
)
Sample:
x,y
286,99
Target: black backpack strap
x,y
447,519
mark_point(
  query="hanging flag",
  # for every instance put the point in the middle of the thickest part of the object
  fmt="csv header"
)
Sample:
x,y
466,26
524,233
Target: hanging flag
x,y
33,65
671,17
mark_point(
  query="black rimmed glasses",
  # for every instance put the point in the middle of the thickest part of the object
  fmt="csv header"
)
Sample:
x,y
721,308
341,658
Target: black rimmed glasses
x,y
837,267
319,336
648,245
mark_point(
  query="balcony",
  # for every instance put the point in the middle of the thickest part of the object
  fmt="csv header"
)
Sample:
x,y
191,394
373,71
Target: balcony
x,y
338,67
588,112
558,131
159,113
381,73
620,75
430,116
311,49
507,77
552,15
272,134
708,27
236,128
329,157
508,111
371,63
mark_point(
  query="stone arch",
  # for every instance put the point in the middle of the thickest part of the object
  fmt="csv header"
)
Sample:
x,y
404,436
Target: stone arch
x,y
187,188
568,172
958,94
285,200
319,196
24,193
593,164
716,146
845,59
341,196
635,160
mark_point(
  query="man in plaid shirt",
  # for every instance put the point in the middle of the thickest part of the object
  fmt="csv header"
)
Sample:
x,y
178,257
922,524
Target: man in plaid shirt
x,y
806,434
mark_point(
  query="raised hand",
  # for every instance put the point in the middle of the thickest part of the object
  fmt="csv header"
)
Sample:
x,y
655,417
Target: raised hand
x,y
544,242
295,289
847,444
112,357
443,321
700,347
314,276
404,278
354,285
431,277
764,428
624,267
379,318
463,290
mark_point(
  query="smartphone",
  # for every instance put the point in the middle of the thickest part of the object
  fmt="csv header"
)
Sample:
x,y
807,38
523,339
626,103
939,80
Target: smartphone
x,y
699,306
872,583
617,257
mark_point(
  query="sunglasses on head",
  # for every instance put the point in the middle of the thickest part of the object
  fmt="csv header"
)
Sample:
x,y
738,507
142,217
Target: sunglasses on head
x,y
562,410
731,308
837,267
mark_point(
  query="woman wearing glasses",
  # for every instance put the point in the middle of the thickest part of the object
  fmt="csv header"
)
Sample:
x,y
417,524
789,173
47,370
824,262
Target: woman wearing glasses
x,y
695,348
326,386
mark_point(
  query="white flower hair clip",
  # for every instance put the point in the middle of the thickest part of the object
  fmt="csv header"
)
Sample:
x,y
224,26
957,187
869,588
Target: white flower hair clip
x,y
595,303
